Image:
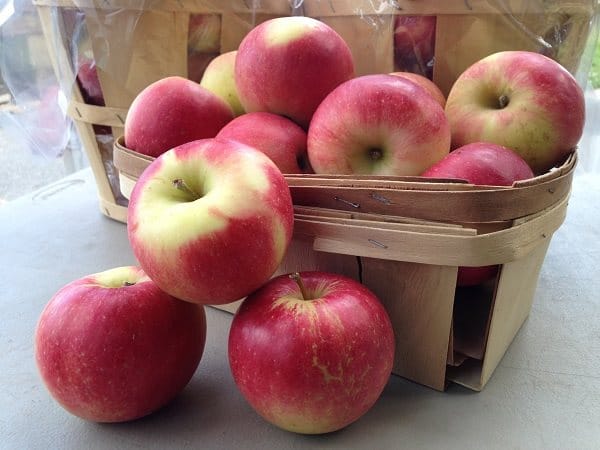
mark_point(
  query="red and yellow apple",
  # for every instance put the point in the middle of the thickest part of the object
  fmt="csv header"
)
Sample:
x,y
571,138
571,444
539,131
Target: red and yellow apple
x,y
521,100
288,65
311,355
279,138
481,163
218,78
377,125
426,84
210,221
171,112
113,347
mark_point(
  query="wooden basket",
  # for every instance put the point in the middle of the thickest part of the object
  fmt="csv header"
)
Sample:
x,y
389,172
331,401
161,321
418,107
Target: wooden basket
x,y
382,233
157,47
147,41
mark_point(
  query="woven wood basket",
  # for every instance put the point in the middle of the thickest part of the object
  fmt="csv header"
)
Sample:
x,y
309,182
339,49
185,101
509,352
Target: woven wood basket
x,y
136,43
405,237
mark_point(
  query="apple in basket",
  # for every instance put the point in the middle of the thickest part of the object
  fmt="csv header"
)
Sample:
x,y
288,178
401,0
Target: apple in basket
x,y
277,137
378,125
481,163
219,79
414,44
288,65
171,112
311,352
521,100
426,84
112,346
210,221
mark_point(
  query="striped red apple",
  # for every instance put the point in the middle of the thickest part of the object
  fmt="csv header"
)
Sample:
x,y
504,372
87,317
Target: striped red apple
x,y
210,221
113,347
378,125
311,353
521,100
288,65
277,137
171,112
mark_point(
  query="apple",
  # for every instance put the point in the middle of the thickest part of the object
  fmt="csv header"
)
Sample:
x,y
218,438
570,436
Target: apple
x,y
279,138
210,221
204,43
426,84
288,65
171,112
87,78
414,44
219,79
521,100
481,163
204,33
113,347
377,125
311,352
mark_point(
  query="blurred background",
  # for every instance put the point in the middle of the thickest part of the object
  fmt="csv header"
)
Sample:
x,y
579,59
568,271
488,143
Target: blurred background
x,y
38,142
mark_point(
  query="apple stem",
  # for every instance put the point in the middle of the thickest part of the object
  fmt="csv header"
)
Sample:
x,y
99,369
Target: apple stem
x,y
182,186
503,101
298,279
127,283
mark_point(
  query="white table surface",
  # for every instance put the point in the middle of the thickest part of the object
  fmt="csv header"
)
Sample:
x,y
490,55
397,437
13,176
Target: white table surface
x,y
545,394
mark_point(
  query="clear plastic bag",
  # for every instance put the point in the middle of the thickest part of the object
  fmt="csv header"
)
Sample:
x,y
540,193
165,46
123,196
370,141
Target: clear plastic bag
x,y
38,116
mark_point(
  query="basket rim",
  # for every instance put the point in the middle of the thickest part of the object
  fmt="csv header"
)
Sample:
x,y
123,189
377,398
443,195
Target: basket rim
x,y
451,201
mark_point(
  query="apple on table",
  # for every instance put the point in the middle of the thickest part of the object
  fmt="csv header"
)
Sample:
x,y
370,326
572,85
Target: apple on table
x,y
282,140
521,100
210,221
481,163
378,125
113,347
288,65
311,352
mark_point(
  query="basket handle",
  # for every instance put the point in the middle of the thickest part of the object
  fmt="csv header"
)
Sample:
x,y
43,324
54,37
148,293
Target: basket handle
x,y
97,115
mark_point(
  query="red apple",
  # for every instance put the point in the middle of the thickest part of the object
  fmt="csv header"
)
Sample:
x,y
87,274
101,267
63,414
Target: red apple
x,y
113,347
87,77
426,84
481,163
312,359
521,100
171,112
414,44
288,65
377,125
210,221
277,137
